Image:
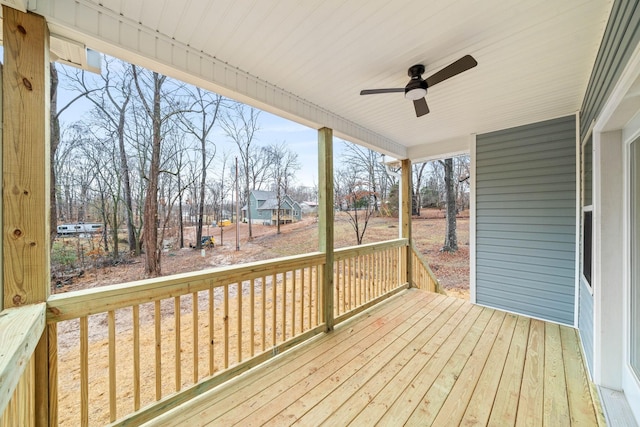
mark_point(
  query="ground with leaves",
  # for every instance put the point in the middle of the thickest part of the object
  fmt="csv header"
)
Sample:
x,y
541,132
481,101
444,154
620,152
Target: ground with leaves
x,y
451,269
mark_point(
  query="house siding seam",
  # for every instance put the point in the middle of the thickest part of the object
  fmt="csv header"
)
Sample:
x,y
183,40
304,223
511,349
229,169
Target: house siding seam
x,y
525,219
621,36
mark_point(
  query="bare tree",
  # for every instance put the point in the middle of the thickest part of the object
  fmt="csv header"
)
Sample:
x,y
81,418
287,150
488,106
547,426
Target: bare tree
x,y
355,196
111,96
367,163
149,86
240,123
451,238
283,165
199,123
418,170
54,141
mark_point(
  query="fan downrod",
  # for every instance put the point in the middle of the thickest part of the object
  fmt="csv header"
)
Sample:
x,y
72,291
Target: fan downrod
x,y
416,71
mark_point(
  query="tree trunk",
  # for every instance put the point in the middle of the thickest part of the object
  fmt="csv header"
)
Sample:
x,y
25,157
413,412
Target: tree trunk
x,y
55,142
150,229
451,239
203,183
248,190
180,214
124,167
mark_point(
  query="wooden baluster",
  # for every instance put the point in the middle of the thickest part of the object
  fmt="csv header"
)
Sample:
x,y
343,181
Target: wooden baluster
x,y
264,313
239,321
293,303
252,302
226,326
352,293
196,329
284,306
158,339
302,305
178,359
52,340
84,371
136,357
212,305
273,310
112,365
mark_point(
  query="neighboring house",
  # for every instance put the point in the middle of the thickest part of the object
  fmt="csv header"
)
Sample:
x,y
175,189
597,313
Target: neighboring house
x,y
264,208
309,207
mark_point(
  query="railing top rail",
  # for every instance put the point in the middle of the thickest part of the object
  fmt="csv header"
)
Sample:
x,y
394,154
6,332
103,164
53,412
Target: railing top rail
x,y
369,248
98,300
20,331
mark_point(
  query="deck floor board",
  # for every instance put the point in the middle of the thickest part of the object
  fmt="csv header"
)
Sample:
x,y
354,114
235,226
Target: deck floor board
x,y
417,359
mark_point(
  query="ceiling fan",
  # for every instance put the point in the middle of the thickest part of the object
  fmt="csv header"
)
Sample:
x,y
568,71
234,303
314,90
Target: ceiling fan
x,y
416,89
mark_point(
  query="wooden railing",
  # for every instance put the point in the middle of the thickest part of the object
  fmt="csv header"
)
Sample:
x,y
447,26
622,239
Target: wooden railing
x,y
129,352
129,348
423,277
363,275
20,332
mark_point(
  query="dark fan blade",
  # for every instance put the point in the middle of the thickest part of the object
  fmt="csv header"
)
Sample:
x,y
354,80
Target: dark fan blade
x,y
374,91
462,64
421,107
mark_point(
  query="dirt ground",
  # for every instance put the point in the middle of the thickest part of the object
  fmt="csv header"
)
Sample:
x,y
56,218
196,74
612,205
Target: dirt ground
x,y
452,270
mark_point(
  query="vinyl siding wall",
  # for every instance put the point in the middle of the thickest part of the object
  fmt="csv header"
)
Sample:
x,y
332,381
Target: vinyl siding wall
x,y
621,36
526,219
585,323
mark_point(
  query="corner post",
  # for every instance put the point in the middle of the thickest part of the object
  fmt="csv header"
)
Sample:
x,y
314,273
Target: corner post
x,y
26,178
406,195
325,219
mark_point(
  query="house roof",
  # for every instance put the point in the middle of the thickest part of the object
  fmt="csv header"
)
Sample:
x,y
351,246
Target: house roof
x,y
534,59
263,195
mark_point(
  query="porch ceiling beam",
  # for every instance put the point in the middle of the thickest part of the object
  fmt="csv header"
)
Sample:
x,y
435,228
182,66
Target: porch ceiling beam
x,y
113,34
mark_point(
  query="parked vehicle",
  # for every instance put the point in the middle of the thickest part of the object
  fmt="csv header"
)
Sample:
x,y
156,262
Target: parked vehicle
x,y
79,228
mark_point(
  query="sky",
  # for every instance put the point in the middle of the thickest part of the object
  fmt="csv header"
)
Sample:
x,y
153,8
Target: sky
x,y
272,129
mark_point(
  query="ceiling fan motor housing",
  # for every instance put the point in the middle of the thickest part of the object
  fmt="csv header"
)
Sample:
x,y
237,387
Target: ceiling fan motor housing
x,y
417,86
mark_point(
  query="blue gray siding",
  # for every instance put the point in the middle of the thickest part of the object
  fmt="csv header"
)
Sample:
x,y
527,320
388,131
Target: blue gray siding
x,y
621,36
526,219
585,323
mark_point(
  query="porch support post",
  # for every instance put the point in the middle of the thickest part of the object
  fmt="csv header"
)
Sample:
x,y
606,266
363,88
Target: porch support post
x,y
25,158
406,197
325,219
25,175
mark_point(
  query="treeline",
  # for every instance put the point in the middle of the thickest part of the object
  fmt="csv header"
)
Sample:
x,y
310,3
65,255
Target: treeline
x,y
153,154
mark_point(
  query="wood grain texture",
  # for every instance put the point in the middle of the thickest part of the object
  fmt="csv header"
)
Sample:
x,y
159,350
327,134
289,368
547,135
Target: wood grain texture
x,y
25,159
419,359
325,219
20,331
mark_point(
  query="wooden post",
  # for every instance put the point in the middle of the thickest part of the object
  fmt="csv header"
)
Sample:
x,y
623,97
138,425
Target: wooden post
x,y
407,198
25,174
325,219
25,158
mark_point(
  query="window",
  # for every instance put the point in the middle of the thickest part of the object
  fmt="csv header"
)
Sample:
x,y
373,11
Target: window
x,y
587,252
586,229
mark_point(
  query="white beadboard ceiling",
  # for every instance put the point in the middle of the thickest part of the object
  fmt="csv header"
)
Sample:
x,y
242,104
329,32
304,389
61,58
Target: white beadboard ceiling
x,y
308,60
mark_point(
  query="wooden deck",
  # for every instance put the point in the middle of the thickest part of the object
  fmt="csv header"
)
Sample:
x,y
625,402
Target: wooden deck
x,y
418,359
